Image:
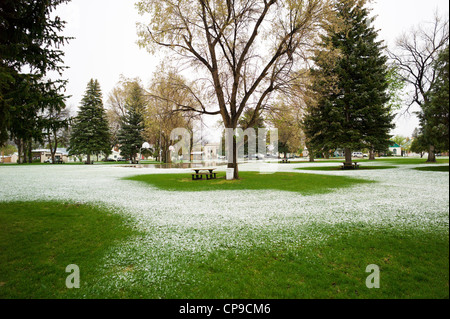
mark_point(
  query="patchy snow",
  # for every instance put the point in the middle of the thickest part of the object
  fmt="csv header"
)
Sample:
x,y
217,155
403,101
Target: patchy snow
x,y
176,224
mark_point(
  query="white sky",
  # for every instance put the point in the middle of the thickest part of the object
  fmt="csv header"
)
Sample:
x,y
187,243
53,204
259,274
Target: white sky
x,y
105,45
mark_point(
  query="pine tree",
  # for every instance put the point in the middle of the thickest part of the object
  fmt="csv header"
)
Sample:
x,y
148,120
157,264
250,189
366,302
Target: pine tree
x,y
349,86
30,47
130,135
90,132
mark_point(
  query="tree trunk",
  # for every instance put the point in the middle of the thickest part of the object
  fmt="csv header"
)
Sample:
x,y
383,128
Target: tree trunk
x,y
371,155
310,153
348,156
30,151
52,148
89,159
168,156
431,155
25,151
230,133
234,164
19,151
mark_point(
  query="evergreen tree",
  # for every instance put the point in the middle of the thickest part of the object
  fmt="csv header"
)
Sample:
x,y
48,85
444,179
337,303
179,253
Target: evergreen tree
x,y
130,135
434,116
349,86
90,132
29,48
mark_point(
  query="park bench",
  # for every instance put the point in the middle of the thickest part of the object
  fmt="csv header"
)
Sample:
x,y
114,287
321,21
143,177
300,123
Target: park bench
x,y
199,172
285,160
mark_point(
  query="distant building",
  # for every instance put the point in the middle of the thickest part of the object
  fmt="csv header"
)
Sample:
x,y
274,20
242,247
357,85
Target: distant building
x,y
211,151
9,159
395,149
45,155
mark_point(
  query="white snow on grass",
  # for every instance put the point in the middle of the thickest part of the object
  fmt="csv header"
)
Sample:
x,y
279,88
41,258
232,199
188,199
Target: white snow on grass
x,y
176,225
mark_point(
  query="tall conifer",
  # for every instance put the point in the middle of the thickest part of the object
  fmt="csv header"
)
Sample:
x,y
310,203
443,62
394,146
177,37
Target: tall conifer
x,y
90,133
349,85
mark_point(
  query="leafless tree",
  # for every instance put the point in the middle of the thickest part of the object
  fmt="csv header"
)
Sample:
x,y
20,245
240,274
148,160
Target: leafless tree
x,y
415,55
242,51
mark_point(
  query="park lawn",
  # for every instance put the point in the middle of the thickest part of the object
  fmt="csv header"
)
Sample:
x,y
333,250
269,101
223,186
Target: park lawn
x,y
413,264
306,184
407,161
339,168
39,239
433,168
387,160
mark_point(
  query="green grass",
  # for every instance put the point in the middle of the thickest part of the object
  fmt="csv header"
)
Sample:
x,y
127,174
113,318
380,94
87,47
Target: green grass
x,y
339,168
306,184
433,168
388,160
38,240
413,264
408,161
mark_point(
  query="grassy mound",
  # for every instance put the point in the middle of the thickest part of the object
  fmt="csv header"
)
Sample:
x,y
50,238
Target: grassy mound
x,y
306,184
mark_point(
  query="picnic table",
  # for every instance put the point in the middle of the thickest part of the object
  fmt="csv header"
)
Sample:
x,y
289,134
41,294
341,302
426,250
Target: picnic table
x,y
200,171
352,166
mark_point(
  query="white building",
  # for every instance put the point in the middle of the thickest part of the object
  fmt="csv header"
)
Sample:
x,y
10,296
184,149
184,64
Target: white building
x,y
211,151
395,149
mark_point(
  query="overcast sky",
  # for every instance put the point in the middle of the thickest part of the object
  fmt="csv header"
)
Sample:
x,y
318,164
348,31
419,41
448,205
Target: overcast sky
x,y
105,45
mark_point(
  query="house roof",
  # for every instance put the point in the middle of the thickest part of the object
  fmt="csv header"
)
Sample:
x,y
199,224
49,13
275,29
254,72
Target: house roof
x,y
393,144
62,151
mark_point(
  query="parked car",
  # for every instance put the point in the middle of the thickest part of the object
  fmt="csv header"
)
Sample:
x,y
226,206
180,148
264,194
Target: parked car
x,y
357,154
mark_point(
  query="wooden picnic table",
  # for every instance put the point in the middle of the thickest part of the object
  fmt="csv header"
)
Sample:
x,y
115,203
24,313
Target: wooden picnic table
x,y
354,165
207,171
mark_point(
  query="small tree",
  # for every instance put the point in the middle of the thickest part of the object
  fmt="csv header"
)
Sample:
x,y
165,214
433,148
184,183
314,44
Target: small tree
x,y
434,116
54,122
168,99
130,136
419,145
287,118
90,133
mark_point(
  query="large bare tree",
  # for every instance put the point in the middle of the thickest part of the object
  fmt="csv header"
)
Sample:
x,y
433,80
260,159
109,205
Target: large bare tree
x,y
415,55
242,51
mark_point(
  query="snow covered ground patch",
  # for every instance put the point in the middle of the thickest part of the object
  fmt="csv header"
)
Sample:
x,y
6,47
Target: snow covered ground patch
x,y
177,224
